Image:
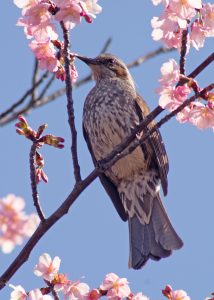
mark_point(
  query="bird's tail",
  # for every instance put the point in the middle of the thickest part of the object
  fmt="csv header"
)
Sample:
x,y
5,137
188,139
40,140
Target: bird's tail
x,y
154,240
151,233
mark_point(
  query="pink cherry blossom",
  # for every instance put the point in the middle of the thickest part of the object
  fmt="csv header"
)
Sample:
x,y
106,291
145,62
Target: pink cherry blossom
x,y
76,291
172,97
60,282
175,295
46,55
164,2
91,8
179,295
37,22
202,116
168,28
15,224
139,296
18,293
37,295
25,3
207,13
170,73
46,267
197,35
69,13
116,287
185,9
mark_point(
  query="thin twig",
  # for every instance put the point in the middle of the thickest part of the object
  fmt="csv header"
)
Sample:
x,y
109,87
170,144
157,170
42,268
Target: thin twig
x,y
35,193
149,55
80,187
183,51
70,104
22,99
106,45
46,87
35,79
202,66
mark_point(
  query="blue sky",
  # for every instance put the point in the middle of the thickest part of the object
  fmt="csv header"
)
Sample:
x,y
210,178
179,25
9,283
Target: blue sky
x,y
91,239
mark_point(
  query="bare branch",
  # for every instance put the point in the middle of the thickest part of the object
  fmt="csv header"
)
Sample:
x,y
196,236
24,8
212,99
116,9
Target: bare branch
x,y
35,193
21,100
35,79
183,51
148,56
70,104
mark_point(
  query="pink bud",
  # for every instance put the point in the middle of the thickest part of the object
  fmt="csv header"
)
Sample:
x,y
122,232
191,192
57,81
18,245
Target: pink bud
x,y
40,130
167,292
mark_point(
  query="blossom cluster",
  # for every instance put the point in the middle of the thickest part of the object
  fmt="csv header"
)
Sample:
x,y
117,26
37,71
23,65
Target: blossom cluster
x,y
172,96
40,18
15,224
23,128
113,287
177,16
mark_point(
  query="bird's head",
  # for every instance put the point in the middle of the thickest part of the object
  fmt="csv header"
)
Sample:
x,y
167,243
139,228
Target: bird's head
x,y
107,66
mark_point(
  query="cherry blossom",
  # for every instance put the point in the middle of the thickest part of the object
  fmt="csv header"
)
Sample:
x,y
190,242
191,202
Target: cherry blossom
x,y
37,295
46,55
207,13
202,116
46,267
76,291
197,35
69,13
115,286
185,9
139,296
15,224
164,2
91,8
18,293
170,73
175,295
168,28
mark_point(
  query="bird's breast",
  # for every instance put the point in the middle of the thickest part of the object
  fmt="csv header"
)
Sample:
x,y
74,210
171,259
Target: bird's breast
x,y
109,116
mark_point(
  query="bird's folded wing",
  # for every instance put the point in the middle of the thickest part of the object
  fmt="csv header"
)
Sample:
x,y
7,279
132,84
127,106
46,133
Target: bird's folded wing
x,y
157,145
108,185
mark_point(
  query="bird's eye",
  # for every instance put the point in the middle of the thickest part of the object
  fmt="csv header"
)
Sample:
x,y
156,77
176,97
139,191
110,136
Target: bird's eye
x,y
111,61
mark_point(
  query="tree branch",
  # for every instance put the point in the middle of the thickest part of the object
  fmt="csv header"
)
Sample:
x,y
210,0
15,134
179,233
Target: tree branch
x,y
35,193
70,103
183,51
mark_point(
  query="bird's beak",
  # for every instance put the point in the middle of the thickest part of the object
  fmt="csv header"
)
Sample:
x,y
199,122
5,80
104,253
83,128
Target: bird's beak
x,y
88,61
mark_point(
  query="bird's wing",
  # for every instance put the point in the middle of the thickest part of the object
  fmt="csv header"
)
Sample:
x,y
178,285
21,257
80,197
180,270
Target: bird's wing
x,y
156,143
108,184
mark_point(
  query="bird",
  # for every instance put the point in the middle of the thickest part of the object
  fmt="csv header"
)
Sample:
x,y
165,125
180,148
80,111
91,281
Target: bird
x,y
112,109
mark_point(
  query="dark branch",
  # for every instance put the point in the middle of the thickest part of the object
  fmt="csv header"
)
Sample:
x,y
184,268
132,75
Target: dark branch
x,y
35,193
35,79
70,103
21,100
183,51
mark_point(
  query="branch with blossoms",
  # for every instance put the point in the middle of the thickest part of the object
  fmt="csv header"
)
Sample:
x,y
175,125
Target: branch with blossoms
x,y
113,287
177,31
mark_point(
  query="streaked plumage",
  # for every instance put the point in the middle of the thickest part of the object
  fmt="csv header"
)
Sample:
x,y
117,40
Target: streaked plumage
x,y
111,110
